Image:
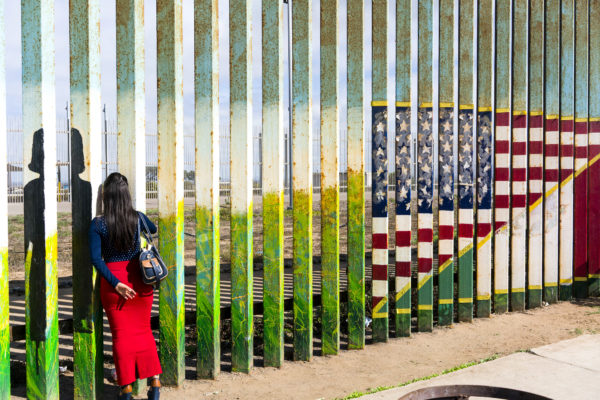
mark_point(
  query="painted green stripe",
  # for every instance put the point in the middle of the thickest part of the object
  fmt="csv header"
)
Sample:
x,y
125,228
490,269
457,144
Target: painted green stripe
x,y
241,291
273,49
550,294
593,287
4,326
446,292
500,303
403,315
206,114
303,284
465,286
330,198
425,307
356,179
565,292
483,308
534,298
302,133
517,301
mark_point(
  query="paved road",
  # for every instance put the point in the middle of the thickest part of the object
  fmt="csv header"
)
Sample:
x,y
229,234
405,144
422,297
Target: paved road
x,y
566,370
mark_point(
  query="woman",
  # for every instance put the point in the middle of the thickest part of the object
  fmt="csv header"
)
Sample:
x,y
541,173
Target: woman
x,y
114,247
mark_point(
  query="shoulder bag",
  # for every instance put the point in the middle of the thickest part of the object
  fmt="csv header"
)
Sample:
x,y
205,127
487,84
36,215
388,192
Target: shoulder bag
x,y
152,266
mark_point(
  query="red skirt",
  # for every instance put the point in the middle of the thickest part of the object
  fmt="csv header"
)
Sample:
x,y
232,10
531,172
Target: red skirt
x,y
134,348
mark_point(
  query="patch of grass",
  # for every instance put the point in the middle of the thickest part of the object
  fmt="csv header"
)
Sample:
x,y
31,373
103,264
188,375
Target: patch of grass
x,y
444,372
597,311
578,331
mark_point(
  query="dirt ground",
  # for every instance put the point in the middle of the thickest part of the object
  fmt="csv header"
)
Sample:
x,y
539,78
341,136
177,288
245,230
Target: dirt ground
x,y
402,360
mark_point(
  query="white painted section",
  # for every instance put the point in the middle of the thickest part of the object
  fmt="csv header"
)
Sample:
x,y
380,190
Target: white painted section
x,y
518,248
380,257
536,160
464,242
536,186
580,163
581,140
519,135
519,161
484,269
484,215
446,246
502,214
566,162
402,281
566,137
501,251
536,255
446,218
502,187
552,162
423,275
403,253
380,288
503,160
425,249
465,216
403,223
380,225
519,187
566,231
502,132
552,137
594,138
551,238
536,134
425,220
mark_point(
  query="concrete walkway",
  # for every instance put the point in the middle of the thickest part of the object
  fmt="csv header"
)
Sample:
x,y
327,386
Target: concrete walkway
x,y
565,370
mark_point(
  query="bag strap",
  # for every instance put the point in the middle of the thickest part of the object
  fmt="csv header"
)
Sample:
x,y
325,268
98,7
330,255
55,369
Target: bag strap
x,y
145,231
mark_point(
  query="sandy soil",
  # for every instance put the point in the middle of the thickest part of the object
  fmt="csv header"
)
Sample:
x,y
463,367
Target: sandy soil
x,y
402,360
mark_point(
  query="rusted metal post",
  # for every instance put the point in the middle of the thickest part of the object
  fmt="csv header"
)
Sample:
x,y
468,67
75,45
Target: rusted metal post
x,y
86,178
39,178
356,177
551,148
518,238
240,40
380,173
502,141
330,177
169,63
484,157
403,171
465,163
580,178
425,171
446,165
273,48
4,327
302,128
567,109
535,252
206,114
594,150
131,98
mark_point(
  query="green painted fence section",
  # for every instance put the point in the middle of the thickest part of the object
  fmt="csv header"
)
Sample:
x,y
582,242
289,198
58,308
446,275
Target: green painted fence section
x,y
352,313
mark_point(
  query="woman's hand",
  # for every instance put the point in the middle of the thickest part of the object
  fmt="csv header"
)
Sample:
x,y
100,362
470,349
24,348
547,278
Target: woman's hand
x,y
125,291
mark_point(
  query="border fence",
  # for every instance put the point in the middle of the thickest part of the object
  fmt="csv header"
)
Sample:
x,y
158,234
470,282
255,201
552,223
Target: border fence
x,y
504,111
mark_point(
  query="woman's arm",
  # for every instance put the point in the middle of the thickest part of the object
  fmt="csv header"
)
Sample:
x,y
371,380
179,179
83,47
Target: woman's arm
x,y
149,223
95,242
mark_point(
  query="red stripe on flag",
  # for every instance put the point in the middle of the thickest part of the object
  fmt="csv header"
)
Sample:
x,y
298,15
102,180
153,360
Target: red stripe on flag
x,y
566,125
533,197
519,121
565,173
502,146
376,300
536,173
519,174
499,224
403,268
483,228
425,235
519,200
580,152
502,119
551,175
552,124
446,232
551,150
465,230
519,148
380,241
593,150
442,258
536,147
380,272
502,174
581,127
580,260
502,200
566,150
594,126
425,264
402,238
536,121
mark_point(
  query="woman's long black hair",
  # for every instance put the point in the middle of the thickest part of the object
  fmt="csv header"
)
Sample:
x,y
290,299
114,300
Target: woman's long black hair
x,y
120,216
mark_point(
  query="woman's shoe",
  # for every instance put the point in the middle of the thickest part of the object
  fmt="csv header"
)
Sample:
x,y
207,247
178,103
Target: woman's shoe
x,y
154,391
125,393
